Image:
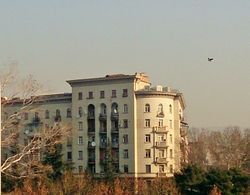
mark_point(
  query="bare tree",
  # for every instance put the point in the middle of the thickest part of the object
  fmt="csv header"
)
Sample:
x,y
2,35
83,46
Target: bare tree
x,y
229,148
22,96
198,151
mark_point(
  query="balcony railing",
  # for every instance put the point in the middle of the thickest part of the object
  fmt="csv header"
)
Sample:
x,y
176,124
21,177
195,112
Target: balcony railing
x,y
163,129
114,130
161,174
183,131
91,130
161,144
57,118
103,130
91,144
115,144
91,115
161,160
114,116
103,145
102,116
91,160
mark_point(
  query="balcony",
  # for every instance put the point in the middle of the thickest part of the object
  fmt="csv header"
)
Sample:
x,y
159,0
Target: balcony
x,y
115,145
104,131
161,174
91,130
102,117
91,160
103,145
91,144
91,115
115,160
161,160
160,129
114,116
161,144
57,118
114,130
160,115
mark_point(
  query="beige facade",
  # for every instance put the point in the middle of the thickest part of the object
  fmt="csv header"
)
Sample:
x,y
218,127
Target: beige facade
x,y
140,125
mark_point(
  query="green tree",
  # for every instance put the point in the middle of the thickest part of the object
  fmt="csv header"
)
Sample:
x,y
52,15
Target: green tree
x,y
109,164
189,179
53,158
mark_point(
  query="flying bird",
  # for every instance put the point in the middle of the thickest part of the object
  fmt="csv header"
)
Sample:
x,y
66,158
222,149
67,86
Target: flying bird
x,y
210,59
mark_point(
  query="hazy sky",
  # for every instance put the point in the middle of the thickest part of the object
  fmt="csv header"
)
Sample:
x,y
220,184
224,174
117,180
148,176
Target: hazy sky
x,y
169,40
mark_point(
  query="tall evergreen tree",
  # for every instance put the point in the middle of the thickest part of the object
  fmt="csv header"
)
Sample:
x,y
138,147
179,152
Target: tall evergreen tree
x,y
53,157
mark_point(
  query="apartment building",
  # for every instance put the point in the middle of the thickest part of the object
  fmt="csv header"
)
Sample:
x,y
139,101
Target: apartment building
x,y
141,127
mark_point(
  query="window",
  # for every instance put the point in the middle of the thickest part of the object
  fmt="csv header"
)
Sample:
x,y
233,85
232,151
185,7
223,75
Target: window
x,y
160,108
160,123
26,116
80,140
37,115
80,155
68,113
46,114
125,123
58,113
161,168
147,108
125,168
147,138
170,108
80,169
58,116
171,153
125,153
161,138
91,96
102,94
171,138
147,122
125,93
148,168
69,155
103,109
170,124
171,169
80,126
80,112
148,153
160,111
125,108
80,96
161,153
113,94
125,138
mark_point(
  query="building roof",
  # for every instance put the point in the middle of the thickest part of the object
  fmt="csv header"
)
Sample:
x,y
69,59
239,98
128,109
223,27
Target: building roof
x,y
39,99
112,77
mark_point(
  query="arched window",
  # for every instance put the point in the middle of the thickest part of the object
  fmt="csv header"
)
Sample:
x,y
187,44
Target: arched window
x,y
103,109
58,116
80,111
58,113
160,109
68,113
170,108
114,108
91,110
147,108
125,108
46,114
